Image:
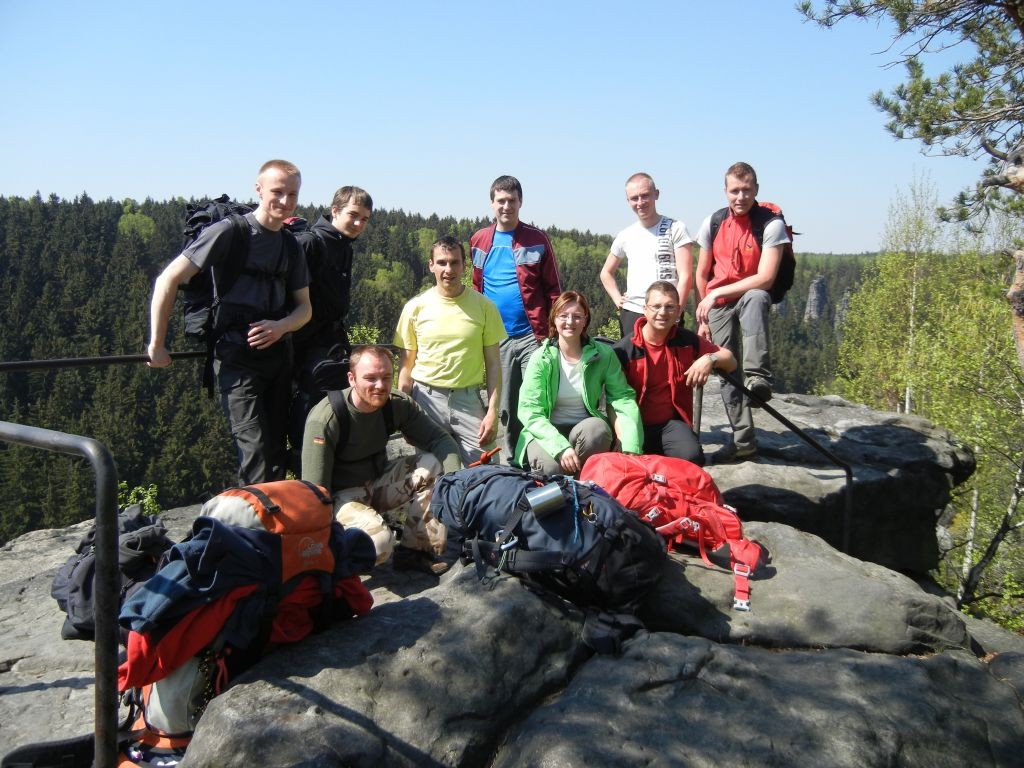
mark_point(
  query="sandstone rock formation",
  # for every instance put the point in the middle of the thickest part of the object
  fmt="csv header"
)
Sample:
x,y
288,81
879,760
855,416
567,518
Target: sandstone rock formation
x,y
903,470
841,662
817,300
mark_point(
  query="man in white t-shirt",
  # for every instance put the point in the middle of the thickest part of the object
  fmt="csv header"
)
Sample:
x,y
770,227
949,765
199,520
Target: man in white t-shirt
x,y
654,248
735,271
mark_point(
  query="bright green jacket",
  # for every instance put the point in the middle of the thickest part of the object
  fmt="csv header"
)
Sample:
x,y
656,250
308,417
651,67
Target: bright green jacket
x,y
602,374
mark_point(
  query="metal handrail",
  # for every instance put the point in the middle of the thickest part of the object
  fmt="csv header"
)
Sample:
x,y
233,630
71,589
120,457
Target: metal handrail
x,y
82,362
847,469
107,588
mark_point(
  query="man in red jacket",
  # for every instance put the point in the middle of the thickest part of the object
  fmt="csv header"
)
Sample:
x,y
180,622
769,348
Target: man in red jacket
x,y
514,266
663,363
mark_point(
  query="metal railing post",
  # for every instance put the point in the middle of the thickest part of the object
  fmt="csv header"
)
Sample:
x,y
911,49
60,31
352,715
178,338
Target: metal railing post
x,y
107,585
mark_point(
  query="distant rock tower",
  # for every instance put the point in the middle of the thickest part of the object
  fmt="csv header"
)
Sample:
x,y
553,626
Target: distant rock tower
x,y
842,310
817,300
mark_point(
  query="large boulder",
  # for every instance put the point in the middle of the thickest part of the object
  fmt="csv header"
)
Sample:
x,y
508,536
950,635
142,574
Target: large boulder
x,y
809,596
839,662
470,672
903,469
691,702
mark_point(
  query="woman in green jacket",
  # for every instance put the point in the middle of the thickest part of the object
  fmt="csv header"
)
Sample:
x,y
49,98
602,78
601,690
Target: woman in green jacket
x,y
567,382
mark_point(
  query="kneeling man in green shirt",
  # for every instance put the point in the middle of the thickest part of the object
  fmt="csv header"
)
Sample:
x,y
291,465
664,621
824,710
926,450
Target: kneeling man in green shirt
x,y
350,460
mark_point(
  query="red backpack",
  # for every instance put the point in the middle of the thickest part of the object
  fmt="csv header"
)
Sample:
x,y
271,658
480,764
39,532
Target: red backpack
x,y
683,503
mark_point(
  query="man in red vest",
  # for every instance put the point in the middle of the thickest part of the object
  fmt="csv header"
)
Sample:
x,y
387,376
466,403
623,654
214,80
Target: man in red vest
x,y
734,274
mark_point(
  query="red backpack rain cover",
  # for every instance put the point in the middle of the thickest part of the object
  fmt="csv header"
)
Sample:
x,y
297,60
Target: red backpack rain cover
x,y
683,503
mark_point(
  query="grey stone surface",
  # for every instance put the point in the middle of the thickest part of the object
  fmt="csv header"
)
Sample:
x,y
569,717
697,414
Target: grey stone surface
x,y
840,662
817,300
434,679
903,468
810,596
682,701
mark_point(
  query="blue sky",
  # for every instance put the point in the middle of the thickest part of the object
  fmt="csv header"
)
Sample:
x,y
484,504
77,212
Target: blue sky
x,y
424,103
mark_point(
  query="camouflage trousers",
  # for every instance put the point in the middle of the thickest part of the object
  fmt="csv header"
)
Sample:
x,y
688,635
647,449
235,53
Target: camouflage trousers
x,y
398,499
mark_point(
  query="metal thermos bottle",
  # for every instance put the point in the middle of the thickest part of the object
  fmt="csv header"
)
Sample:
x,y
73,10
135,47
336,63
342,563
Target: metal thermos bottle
x,y
545,500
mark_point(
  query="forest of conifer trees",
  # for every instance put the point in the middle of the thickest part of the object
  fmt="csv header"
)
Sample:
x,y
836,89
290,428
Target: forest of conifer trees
x,y
75,281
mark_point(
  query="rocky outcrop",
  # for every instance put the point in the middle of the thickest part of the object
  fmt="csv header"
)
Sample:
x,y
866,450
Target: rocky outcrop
x,y
817,300
903,468
465,674
841,662
842,310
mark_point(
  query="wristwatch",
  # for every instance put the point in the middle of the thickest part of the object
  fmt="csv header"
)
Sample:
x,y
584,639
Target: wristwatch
x,y
714,359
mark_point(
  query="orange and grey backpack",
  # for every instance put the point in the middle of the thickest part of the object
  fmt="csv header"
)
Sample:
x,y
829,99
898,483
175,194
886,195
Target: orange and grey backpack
x,y
317,563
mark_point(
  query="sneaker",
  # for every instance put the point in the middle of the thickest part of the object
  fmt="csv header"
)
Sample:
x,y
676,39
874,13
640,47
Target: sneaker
x,y
408,559
732,453
760,387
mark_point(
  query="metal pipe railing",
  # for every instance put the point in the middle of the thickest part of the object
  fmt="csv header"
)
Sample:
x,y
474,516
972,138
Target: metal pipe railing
x,y
83,362
107,586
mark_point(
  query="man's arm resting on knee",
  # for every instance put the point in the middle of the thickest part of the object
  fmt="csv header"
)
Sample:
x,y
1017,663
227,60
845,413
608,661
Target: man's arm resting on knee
x,y
767,268
420,431
319,445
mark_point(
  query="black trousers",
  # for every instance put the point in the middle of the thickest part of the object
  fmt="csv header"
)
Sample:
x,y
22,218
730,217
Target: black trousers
x,y
673,438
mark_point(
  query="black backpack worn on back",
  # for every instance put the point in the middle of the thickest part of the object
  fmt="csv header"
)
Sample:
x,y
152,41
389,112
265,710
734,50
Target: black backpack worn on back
x,y
201,295
568,537
760,216
206,315
141,542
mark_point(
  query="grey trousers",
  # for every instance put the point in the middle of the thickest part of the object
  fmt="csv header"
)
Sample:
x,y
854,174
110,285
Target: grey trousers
x,y
743,323
458,412
515,354
590,436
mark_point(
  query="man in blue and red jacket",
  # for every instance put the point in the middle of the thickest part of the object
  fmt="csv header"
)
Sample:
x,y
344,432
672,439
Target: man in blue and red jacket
x,y
514,266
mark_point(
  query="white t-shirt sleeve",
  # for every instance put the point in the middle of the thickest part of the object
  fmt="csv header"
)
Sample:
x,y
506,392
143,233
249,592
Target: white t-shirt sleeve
x,y
680,236
775,234
704,234
618,249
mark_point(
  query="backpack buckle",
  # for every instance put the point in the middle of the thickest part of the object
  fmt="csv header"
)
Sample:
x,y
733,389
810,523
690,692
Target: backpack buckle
x,y
740,605
512,543
742,569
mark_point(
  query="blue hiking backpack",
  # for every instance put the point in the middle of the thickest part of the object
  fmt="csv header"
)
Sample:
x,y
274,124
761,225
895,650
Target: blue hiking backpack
x,y
567,537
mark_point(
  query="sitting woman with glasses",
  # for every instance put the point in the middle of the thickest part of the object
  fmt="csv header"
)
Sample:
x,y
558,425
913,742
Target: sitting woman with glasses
x,y
567,382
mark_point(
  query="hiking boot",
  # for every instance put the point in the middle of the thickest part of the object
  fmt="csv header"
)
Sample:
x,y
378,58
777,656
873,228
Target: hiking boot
x,y
732,453
408,559
760,387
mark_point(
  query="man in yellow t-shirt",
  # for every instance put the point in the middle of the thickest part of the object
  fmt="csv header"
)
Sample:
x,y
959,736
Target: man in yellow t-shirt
x,y
449,335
